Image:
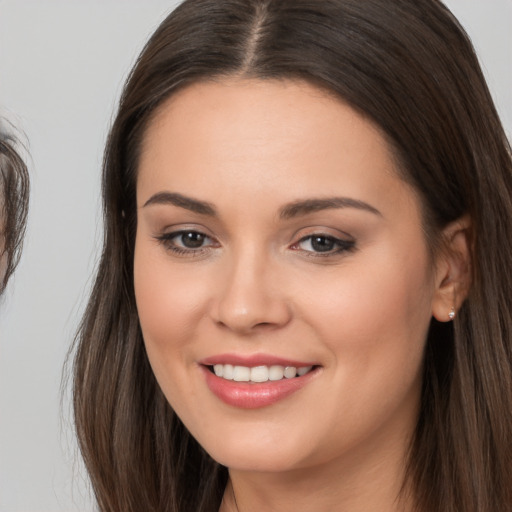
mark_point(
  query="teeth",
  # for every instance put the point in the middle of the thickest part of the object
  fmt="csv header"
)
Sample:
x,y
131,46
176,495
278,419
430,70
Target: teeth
x,y
290,372
241,374
302,371
228,372
259,373
275,373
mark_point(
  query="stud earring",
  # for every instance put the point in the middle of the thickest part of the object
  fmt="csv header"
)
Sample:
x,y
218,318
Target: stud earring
x,y
451,314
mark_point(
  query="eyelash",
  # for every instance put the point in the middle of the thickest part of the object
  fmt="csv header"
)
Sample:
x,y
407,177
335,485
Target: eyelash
x,y
341,244
167,240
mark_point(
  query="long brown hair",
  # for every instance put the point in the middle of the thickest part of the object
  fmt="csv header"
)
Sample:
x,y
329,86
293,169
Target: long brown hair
x,y
409,67
14,197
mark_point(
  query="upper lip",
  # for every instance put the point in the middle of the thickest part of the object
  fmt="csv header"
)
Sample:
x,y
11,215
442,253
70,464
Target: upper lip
x,y
254,360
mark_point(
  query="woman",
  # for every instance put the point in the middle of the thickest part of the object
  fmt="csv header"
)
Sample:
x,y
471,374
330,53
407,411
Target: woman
x,y
303,301
14,192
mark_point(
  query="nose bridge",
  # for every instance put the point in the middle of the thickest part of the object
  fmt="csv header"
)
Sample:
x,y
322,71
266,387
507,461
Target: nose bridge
x,y
250,297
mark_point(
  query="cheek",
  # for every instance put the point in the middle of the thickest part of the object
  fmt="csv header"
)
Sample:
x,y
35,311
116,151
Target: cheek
x,y
168,304
374,320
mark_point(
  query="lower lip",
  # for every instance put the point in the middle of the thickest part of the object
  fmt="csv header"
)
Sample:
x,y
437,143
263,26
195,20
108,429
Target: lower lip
x,y
246,395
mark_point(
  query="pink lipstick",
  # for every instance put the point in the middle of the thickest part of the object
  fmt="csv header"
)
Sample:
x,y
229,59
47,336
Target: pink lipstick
x,y
255,381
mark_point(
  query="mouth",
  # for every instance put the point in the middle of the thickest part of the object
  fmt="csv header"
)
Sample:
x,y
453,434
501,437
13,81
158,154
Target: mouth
x,y
259,374
257,381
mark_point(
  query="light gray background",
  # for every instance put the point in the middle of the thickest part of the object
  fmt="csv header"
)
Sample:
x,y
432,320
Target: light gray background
x,y
62,64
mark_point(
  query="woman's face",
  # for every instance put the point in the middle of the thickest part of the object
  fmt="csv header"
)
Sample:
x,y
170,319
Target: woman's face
x,y
275,240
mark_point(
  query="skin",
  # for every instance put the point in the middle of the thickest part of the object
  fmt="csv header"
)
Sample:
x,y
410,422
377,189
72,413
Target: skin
x,y
256,285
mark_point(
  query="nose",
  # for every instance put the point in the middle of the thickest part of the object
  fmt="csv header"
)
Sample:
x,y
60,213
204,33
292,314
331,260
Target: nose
x,y
251,296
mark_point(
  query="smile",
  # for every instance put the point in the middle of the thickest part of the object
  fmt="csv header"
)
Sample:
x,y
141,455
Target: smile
x,y
259,374
256,381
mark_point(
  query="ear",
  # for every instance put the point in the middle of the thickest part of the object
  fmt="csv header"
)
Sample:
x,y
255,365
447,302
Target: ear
x,y
453,270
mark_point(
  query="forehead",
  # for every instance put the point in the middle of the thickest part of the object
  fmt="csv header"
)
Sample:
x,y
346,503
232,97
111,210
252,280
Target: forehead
x,y
287,138
255,110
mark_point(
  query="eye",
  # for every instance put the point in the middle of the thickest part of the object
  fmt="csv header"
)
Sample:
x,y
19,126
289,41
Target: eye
x,y
187,242
323,245
190,239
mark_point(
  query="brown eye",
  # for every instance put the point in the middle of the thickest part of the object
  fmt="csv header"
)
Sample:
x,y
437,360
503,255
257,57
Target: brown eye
x,y
187,242
324,244
191,239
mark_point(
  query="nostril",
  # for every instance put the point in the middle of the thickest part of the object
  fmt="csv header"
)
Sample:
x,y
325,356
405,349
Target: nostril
x,y
264,324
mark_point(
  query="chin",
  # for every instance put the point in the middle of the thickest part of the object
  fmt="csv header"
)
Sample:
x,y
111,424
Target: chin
x,y
257,461
258,453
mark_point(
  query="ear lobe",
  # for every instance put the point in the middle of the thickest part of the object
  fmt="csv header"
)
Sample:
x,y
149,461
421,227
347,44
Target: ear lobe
x,y
453,270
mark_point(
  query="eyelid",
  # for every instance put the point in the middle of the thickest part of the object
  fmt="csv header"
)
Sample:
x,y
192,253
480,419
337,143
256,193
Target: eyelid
x,y
322,230
343,242
166,239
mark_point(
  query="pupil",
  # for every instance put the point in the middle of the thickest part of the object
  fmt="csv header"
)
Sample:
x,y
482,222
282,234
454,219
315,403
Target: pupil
x,y
322,244
192,240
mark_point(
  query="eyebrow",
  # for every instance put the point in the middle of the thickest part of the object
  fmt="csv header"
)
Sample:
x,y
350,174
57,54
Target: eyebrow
x,y
304,207
194,205
291,210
